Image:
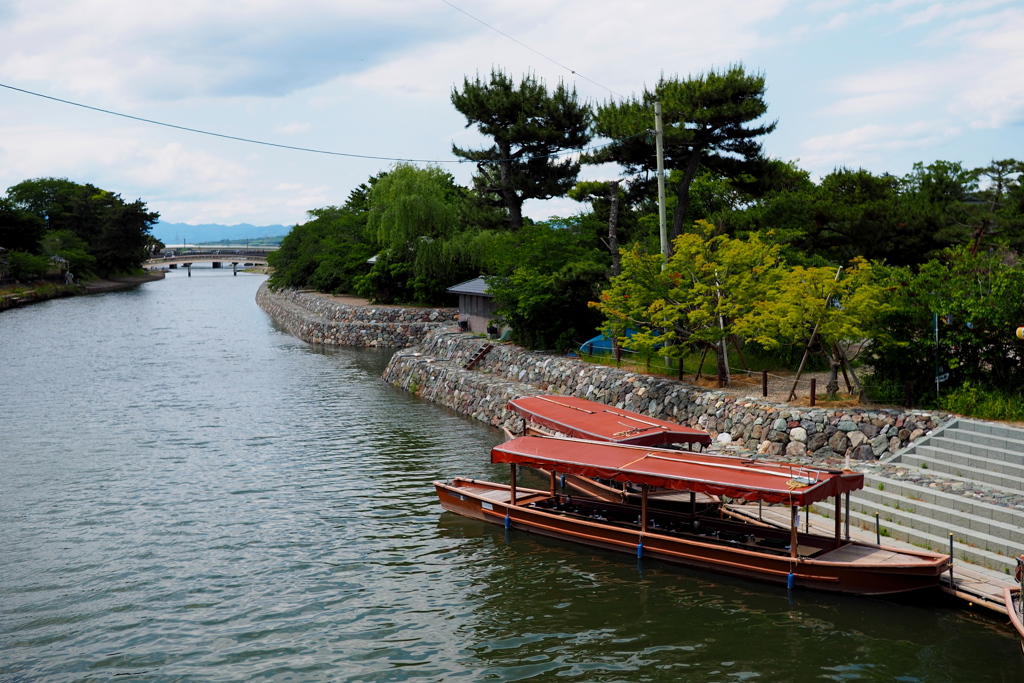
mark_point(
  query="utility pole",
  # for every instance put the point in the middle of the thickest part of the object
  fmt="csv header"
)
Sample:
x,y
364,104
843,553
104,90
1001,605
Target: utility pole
x,y
659,134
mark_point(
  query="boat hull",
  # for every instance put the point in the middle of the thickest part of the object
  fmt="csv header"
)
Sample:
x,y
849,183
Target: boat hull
x,y
850,568
1012,597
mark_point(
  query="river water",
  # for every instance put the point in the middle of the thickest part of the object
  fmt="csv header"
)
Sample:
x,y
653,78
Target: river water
x,y
189,494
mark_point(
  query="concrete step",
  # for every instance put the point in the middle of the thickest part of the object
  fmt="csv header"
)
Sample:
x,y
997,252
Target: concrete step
x,y
892,490
949,447
1002,539
994,434
964,551
953,443
941,519
967,467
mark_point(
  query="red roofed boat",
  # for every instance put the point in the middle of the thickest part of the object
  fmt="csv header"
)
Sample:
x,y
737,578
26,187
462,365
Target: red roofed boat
x,y
690,538
583,419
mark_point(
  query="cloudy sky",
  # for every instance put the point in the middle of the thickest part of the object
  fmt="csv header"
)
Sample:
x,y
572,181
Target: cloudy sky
x,y
878,85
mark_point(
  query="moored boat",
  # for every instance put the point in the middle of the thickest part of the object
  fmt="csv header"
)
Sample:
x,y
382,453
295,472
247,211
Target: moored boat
x,y
584,419
693,538
1014,605
550,415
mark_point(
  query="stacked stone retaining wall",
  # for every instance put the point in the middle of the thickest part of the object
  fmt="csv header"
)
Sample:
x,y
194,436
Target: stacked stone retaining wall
x,y
434,370
319,320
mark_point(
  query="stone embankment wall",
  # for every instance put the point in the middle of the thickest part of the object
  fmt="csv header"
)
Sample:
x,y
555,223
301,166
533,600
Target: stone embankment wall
x,y
434,370
318,320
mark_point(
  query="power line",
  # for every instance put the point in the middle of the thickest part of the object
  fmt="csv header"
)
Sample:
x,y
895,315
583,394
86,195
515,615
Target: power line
x,y
306,149
231,137
535,51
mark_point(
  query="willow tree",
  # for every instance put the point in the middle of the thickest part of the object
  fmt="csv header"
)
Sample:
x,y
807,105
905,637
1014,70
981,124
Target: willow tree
x,y
418,217
705,120
530,127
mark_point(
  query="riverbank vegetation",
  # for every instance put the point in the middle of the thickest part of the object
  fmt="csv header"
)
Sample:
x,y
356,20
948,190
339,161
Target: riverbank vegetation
x,y
52,226
892,280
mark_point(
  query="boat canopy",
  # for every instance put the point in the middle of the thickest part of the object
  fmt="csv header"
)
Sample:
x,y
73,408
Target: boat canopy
x,y
679,470
583,419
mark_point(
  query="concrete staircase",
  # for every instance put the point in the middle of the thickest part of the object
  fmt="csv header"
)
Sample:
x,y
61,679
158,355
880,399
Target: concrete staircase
x,y
964,479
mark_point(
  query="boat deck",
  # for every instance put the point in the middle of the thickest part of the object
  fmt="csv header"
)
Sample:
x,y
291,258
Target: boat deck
x,y
502,495
858,554
976,585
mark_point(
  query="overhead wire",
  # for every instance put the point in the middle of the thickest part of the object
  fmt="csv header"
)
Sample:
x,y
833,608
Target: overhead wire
x,y
531,49
350,155
304,149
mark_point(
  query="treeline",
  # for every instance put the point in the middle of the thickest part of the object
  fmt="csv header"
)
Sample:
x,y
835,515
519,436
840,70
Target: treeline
x,y
761,255
54,224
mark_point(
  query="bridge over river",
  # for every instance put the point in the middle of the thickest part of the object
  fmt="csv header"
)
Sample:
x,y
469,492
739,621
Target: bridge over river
x,y
216,255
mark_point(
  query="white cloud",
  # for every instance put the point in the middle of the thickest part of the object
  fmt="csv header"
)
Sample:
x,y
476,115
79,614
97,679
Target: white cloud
x,y
851,82
291,128
870,144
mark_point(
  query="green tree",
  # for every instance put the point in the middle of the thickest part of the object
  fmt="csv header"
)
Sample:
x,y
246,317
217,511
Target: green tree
x,y
530,128
542,278
999,215
20,230
830,309
706,121
72,249
22,265
976,300
116,232
711,282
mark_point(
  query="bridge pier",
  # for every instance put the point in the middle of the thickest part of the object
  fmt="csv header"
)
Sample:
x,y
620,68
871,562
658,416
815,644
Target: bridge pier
x,y
234,269
189,266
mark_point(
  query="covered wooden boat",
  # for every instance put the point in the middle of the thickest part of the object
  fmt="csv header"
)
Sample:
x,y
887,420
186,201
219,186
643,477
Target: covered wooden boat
x,y
583,419
691,538
1014,606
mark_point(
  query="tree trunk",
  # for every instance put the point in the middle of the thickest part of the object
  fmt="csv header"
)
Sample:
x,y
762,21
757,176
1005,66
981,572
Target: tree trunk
x,y
723,372
512,200
613,224
683,194
832,388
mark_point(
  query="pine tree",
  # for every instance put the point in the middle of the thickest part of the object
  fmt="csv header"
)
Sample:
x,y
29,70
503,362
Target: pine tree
x,y
530,127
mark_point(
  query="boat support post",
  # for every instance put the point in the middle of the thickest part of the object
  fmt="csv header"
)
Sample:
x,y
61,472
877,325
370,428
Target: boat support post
x,y
644,488
839,521
553,488
793,523
847,515
512,496
643,520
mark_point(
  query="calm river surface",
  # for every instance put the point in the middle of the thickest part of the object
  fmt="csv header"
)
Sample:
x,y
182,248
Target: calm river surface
x,y
189,494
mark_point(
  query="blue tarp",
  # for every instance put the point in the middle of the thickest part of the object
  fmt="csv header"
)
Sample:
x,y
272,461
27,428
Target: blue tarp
x,y
601,344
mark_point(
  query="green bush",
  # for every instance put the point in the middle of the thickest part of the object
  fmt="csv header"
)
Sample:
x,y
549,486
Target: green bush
x,y
988,404
26,266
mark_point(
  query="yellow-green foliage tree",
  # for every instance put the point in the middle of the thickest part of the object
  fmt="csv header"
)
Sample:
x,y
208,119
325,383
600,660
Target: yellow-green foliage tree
x,y
834,309
709,283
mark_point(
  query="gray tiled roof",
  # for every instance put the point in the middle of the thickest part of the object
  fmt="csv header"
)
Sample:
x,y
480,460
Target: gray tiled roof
x,y
475,286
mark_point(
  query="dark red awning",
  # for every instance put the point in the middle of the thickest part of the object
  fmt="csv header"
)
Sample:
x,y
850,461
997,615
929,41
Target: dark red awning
x,y
680,470
583,419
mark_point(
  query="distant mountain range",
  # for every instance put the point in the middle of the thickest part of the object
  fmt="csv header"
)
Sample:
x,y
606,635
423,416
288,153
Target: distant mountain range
x,y
177,233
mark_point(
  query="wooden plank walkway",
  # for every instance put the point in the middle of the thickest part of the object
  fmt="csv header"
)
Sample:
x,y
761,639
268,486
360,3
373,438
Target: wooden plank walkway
x,y
976,585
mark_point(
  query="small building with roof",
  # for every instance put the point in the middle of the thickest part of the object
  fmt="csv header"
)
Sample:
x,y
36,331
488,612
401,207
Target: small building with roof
x,y
476,305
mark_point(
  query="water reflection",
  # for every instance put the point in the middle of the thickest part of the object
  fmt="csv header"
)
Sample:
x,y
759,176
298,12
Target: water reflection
x,y
586,614
189,494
